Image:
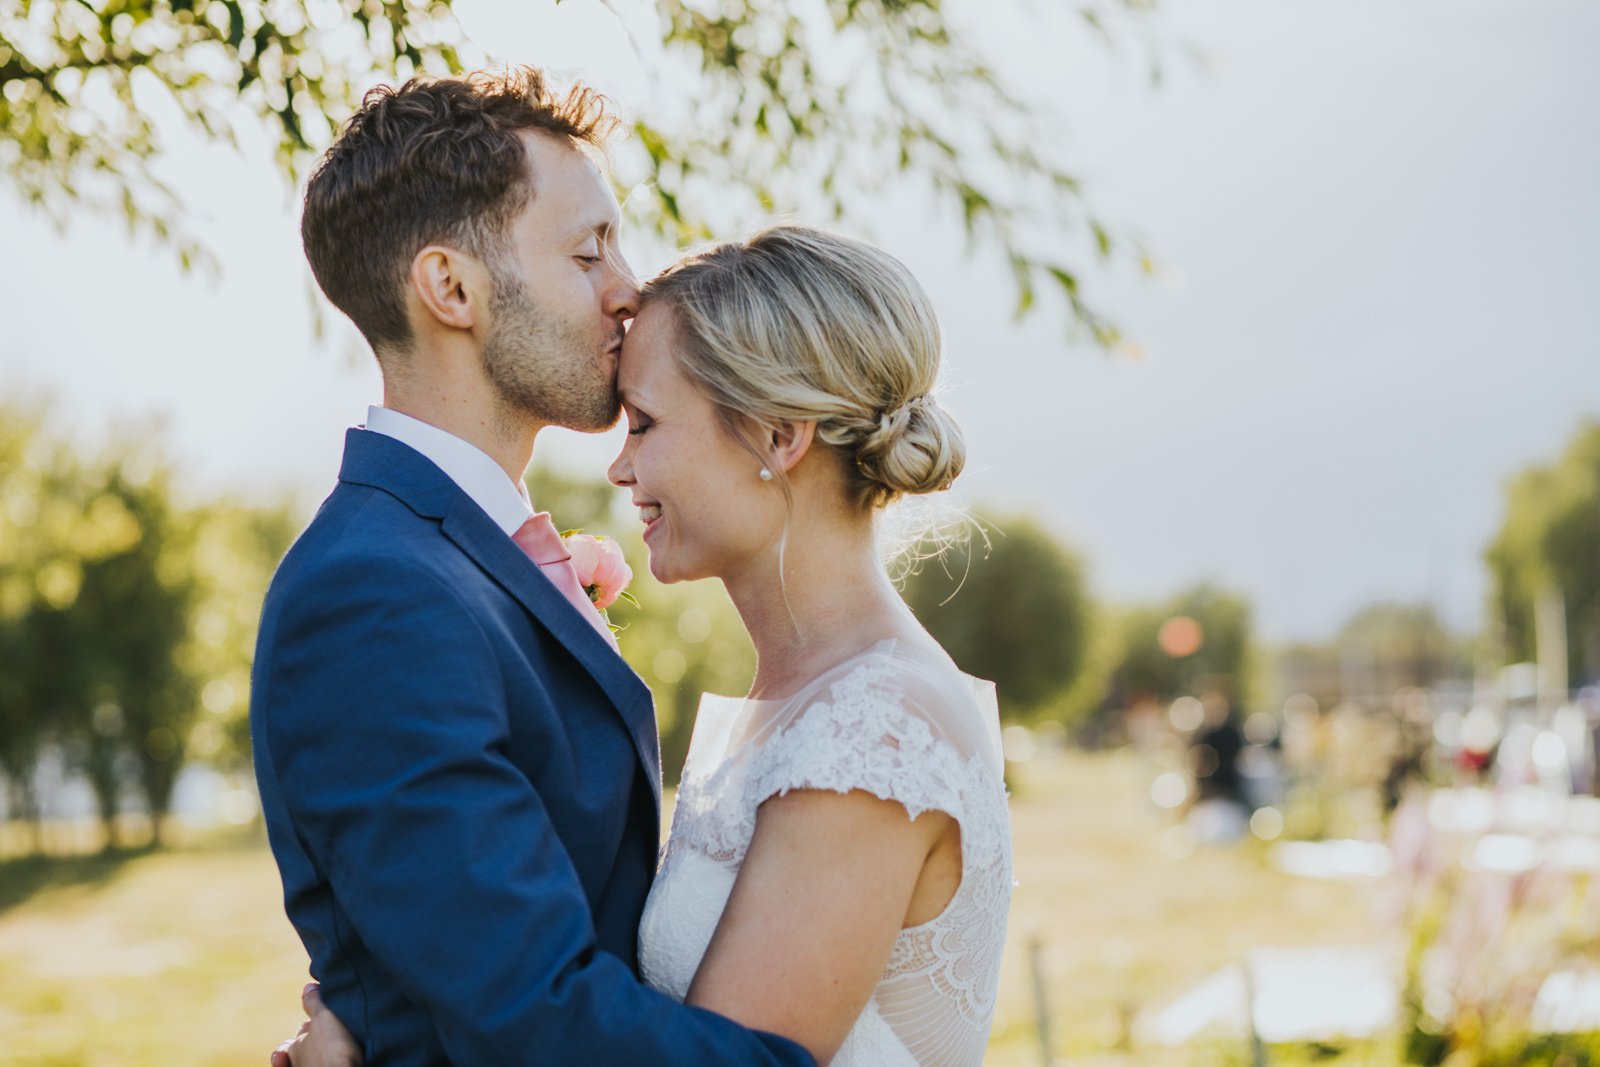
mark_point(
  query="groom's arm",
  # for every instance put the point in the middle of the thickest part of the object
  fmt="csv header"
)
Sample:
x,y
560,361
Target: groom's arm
x,y
387,729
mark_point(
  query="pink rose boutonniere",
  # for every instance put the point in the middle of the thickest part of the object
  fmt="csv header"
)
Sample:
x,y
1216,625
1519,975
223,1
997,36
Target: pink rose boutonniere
x,y
602,571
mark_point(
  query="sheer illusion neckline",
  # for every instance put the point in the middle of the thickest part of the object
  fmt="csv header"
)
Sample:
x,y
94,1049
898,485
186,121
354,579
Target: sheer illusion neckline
x,y
885,645
730,722
889,648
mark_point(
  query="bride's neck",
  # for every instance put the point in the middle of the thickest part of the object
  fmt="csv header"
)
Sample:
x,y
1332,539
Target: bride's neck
x,y
830,600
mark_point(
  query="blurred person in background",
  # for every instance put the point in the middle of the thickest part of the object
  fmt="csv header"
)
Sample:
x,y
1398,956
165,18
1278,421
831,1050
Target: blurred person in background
x,y
1221,810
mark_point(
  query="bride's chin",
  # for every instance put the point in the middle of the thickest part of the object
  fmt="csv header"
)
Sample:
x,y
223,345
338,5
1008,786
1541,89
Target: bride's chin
x,y
661,572
665,571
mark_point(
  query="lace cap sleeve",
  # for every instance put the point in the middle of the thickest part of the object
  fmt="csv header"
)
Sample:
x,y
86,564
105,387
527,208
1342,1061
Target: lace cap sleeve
x,y
899,730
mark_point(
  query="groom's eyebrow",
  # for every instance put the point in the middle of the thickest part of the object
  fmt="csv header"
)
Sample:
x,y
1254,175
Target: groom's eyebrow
x,y
602,230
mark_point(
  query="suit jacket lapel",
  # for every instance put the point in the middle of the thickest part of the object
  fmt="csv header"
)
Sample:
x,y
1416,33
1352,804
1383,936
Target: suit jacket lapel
x,y
384,463
499,556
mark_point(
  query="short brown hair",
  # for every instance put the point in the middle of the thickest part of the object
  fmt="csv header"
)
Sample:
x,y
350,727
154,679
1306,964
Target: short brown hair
x,y
438,160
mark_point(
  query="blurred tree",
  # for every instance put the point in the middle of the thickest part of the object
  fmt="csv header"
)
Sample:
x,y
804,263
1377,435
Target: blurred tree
x,y
1548,541
19,738
51,530
1382,648
122,613
21,491
1402,645
1155,664
137,694
236,548
792,102
1017,614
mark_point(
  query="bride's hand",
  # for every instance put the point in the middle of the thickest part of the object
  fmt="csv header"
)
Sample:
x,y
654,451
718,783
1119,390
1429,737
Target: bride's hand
x,y
321,1041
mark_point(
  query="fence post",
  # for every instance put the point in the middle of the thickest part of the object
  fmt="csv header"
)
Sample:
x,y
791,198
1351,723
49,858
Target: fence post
x,y
1041,1002
1258,1051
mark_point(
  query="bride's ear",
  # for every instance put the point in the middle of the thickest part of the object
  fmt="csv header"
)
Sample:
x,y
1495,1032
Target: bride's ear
x,y
789,442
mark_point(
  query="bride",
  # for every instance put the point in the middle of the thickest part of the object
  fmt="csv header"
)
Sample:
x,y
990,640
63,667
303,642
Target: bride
x,y
839,865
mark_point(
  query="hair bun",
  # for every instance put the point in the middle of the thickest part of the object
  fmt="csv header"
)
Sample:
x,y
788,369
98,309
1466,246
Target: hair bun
x,y
915,448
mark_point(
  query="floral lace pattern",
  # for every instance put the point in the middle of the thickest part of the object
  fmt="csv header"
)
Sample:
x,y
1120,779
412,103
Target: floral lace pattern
x,y
862,730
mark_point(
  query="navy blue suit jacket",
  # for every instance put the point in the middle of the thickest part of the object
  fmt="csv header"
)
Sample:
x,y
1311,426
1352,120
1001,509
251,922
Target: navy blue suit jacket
x,y
461,785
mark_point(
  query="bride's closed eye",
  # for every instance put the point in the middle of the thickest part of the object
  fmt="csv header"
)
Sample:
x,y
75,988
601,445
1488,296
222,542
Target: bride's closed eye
x,y
638,421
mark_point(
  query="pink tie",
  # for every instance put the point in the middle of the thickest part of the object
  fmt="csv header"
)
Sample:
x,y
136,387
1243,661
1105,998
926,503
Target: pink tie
x,y
539,539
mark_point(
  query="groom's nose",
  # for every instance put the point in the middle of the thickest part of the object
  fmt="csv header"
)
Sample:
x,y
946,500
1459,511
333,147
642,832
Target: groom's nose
x,y
622,295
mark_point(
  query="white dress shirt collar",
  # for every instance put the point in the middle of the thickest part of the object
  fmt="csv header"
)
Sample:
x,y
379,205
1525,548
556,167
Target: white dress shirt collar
x,y
480,477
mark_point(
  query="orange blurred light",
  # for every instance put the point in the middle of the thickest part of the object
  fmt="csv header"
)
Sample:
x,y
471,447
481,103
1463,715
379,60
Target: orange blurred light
x,y
1180,636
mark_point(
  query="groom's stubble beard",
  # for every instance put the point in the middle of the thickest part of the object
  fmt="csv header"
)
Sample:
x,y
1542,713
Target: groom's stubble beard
x,y
544,367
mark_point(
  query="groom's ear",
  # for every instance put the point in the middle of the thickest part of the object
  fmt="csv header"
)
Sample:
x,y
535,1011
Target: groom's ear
x,y
448,285
790,441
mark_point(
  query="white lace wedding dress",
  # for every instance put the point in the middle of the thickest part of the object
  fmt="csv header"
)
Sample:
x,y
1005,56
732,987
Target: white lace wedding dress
x,y
909,728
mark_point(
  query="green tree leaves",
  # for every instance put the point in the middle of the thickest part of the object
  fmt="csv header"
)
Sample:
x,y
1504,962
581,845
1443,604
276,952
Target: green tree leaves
x,y
793,105
1549,540
76,79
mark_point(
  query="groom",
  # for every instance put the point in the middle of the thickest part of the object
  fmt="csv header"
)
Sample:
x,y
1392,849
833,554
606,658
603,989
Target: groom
x,y
460,776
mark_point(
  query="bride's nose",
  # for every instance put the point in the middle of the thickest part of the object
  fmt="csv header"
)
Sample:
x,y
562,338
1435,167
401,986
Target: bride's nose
x,y
620,473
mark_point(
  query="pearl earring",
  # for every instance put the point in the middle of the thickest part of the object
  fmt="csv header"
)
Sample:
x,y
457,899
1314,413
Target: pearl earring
x,y
766,475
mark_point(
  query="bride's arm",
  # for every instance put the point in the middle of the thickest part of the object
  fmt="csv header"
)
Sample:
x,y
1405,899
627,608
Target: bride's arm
x,y
823,891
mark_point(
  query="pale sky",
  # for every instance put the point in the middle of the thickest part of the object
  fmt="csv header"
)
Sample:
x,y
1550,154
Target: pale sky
x,y
1379,227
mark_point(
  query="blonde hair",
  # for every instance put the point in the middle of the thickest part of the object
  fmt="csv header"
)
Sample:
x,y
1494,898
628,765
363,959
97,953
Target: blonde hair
x,y
798,324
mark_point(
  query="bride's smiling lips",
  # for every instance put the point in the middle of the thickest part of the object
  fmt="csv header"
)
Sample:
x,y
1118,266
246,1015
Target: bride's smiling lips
x,y
649,514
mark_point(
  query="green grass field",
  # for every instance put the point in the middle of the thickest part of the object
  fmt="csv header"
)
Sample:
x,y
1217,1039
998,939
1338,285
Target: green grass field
x,y
184,957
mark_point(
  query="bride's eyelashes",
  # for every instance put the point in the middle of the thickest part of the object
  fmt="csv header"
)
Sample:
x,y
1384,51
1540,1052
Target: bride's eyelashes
x,y
640,427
